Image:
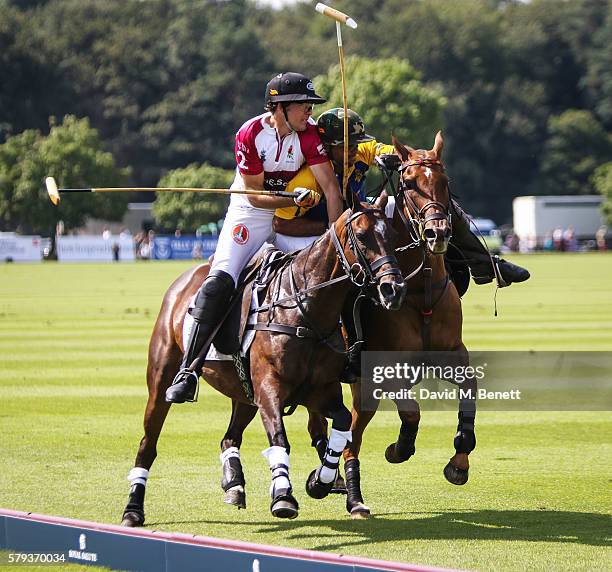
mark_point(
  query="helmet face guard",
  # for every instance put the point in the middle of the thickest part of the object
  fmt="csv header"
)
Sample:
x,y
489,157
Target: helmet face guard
x,y
331,127
291,87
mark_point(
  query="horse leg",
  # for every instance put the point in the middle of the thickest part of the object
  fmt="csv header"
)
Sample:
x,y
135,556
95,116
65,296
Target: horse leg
x,y
284,504
456,471
233,482
404,448
354,500
322,480
317,429
159,376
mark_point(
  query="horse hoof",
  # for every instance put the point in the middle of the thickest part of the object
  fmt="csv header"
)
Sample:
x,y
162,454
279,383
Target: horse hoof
x,y
235,496
455,475
284,509
360,512
315,488
132,519
339,487
392,455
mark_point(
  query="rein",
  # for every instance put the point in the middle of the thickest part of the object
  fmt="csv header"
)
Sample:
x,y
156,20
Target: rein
x,y
414,223
361,273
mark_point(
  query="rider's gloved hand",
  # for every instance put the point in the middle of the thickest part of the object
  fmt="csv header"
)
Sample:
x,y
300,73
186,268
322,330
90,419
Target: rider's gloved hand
x,y
389,161
306,198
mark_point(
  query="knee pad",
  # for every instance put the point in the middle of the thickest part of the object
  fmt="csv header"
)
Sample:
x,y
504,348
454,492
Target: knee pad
x,y
213,295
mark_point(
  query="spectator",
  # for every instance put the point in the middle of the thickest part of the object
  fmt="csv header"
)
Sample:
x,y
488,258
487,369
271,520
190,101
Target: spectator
x,y
557,237
548,245
600,238
569,240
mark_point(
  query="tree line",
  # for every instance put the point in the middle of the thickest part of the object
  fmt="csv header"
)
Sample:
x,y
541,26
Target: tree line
x,y
156,90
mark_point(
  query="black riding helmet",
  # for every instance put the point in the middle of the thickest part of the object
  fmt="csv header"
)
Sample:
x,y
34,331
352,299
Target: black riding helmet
x,y
331,127
291,87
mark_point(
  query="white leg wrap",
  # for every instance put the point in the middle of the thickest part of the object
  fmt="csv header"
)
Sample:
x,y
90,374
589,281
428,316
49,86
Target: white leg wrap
x,y
138,476
228,454
335,446
278,459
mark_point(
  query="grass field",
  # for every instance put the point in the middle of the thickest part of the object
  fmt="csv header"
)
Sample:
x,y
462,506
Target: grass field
x,y
73,341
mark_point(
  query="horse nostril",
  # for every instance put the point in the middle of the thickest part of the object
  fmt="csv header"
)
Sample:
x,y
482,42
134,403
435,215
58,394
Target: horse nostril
x,y
430,234
386,290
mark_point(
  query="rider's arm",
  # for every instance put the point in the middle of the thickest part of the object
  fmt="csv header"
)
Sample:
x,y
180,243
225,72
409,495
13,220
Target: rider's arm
x,y
256,182
326,179
300,226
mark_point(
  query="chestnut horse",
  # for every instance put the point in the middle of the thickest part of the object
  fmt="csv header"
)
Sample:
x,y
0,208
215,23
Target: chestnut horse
x,y
296,355
429,320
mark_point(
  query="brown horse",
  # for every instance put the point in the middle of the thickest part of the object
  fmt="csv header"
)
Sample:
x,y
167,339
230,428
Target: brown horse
x,y
296,355
429,320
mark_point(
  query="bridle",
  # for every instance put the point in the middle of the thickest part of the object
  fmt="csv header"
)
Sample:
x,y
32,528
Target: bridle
x,y
362,273
417,217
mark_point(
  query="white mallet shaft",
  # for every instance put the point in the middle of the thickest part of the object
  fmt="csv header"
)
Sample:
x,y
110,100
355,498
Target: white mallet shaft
x,y
54,192
335,15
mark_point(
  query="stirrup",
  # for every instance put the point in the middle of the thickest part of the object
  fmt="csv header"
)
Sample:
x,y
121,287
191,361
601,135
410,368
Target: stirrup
x,y
183,377
501,283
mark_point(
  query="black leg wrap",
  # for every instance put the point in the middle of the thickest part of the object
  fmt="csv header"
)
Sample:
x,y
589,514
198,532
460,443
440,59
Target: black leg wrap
x,y
133,515
232,474
342,419
353,484
465,439
404,448
320,444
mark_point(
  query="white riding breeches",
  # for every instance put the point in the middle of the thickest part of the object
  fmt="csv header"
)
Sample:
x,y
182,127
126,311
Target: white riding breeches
x,y
292,243
244,231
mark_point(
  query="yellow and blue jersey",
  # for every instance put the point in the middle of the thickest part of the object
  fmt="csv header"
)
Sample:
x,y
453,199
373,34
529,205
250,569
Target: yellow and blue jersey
x,y
366,153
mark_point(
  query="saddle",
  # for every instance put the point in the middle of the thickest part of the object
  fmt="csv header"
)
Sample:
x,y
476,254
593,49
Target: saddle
x,y
259,272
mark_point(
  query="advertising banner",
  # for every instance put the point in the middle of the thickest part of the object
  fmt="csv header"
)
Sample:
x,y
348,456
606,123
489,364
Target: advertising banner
x,y
95,249
15,248
170,247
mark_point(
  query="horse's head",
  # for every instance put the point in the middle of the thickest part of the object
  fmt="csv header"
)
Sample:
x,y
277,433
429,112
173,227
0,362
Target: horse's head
x,y
424,193
364,243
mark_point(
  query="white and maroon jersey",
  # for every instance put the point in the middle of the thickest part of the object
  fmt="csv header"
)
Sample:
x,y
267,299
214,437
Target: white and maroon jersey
x,y
260,149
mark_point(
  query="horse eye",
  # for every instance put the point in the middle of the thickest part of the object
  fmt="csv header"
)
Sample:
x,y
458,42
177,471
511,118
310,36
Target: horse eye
x,y
361,235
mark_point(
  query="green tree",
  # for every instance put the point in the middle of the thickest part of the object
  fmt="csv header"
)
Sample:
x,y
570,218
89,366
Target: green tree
x,y
389,96
188,211
74,155
577,144
602,182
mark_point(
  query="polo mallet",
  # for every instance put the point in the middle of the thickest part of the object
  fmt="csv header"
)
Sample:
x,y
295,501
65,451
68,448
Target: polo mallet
x,y
54,191
341,18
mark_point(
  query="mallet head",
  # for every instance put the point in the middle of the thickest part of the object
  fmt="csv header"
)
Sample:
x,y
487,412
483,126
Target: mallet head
x,y
52,190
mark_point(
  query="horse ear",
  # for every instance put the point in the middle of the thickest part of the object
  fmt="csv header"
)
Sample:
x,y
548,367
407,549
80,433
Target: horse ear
x,y
402,150
381,201
355,203
438,144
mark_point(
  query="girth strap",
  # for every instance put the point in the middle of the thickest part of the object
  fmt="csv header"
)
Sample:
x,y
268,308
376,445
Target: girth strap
x,y
298,332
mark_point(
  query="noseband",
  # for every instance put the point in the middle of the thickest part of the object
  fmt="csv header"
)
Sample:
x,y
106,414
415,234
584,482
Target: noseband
x,y
362,273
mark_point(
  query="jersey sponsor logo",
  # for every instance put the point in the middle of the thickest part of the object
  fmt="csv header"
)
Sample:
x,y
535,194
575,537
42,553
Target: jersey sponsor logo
x,y
240,234
262,155
320,149
290,153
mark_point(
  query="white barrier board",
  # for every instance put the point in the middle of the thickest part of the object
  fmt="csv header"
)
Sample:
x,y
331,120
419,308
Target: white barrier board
x,y
94,249
20,248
